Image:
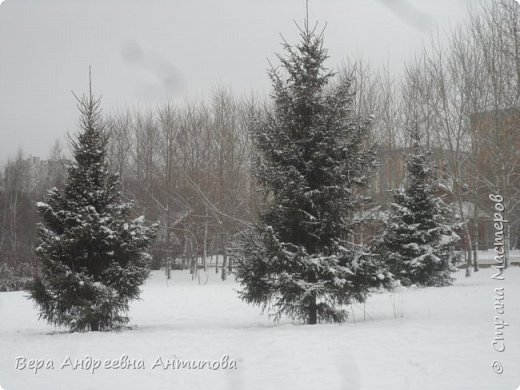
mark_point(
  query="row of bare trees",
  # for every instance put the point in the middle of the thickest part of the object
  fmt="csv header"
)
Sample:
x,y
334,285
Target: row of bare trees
x,y
464,98
24,181
461,94
188,165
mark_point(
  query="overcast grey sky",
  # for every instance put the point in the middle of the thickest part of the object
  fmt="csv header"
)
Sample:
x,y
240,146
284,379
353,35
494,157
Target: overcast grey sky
x,y
146,51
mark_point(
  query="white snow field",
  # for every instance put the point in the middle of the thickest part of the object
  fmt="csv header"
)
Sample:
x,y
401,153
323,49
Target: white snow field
x,y
424,338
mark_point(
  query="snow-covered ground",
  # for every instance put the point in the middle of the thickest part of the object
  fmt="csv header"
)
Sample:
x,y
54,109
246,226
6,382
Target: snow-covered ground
x,y
432,338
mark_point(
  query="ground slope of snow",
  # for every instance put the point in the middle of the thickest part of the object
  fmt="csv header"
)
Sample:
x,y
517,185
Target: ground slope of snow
x,y
441,339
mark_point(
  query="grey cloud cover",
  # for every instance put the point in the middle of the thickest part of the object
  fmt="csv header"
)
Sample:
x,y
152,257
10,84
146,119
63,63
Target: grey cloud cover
x,y
144,52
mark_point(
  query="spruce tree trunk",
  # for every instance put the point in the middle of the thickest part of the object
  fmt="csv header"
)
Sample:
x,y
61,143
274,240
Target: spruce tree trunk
x,y
507,241
223,268
94,326
469,260
468,237
205,244
475,247
313,311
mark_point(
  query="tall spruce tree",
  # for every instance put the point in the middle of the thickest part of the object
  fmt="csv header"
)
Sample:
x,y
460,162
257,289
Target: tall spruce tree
x,y
419,244
93,255
310,161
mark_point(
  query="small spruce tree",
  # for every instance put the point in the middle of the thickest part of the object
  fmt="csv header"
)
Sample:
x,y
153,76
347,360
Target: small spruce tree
x,y
419,244
310,161
93,256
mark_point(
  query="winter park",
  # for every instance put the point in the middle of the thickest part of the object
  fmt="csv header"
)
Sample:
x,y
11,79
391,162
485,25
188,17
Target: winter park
x,y
256,195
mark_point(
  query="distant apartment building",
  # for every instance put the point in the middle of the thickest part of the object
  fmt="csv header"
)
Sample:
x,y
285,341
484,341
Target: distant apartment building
x,y
495,136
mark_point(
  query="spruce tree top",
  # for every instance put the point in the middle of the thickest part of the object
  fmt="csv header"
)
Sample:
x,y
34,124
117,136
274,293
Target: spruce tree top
x,y
311,149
